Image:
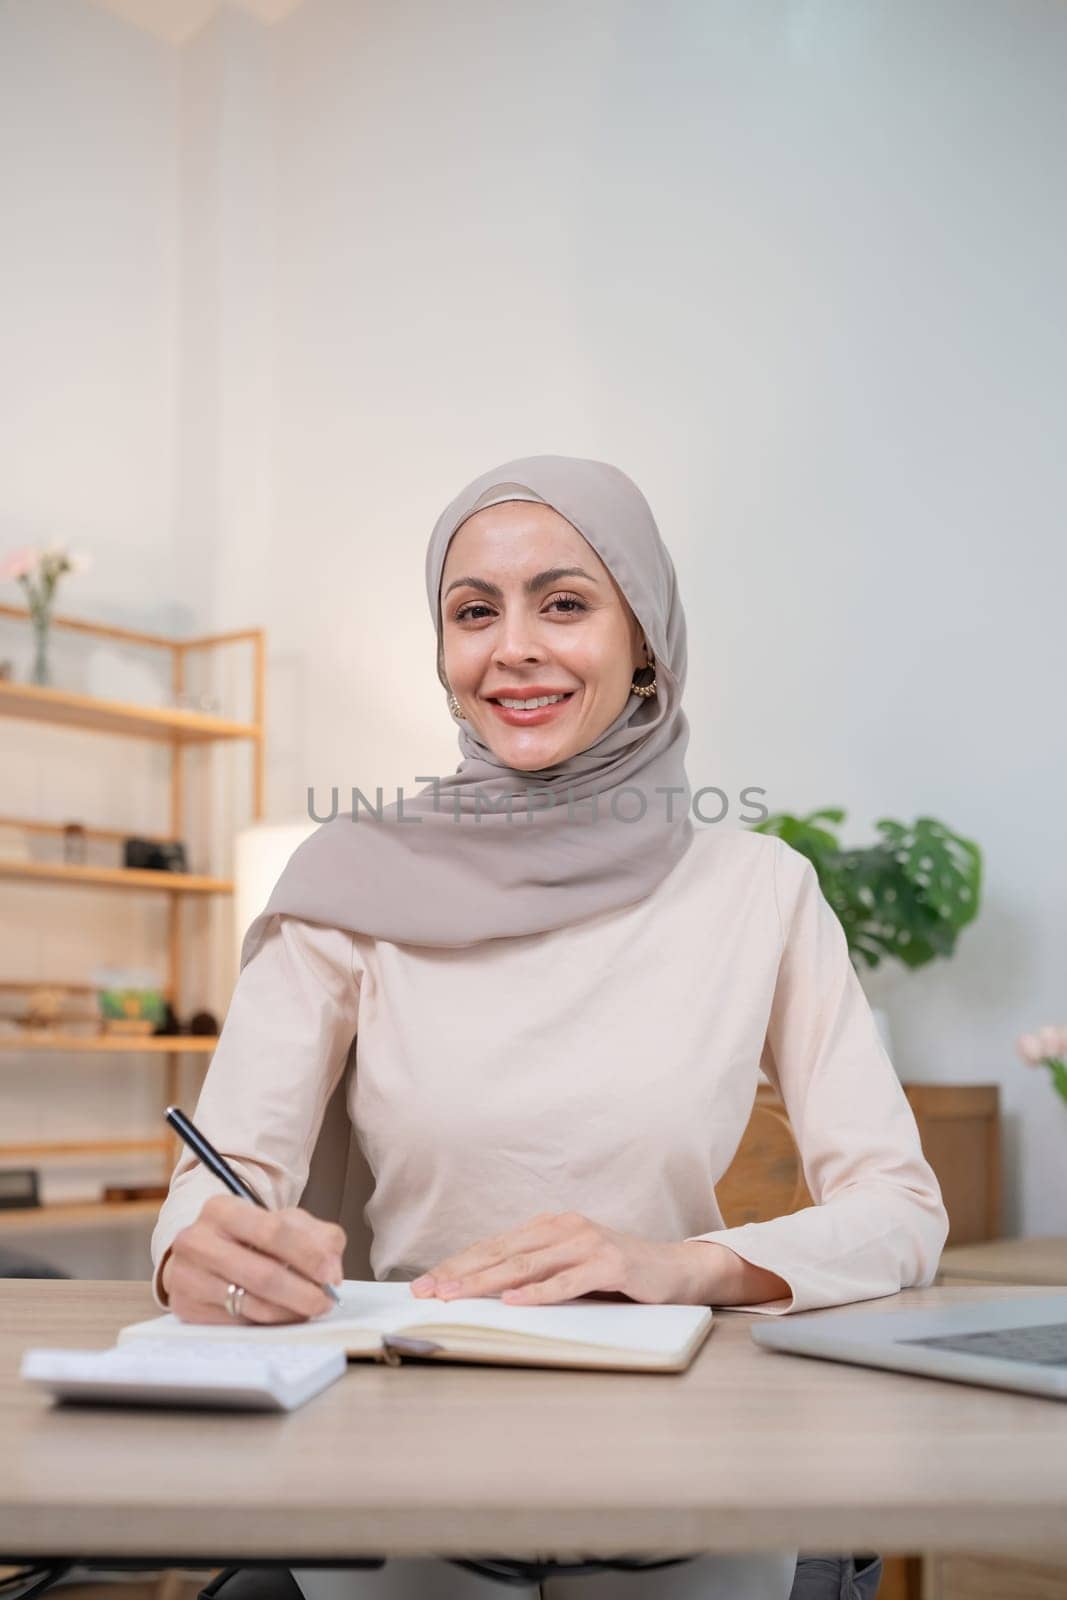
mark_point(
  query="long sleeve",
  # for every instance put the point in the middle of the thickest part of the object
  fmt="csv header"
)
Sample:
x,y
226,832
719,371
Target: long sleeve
x,y
281,1053
878,1223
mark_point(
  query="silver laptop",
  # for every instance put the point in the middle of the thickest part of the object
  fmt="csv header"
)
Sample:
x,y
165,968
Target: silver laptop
x,y
1008,1344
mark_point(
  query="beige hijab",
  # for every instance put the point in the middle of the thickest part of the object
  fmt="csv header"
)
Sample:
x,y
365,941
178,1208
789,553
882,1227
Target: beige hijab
x,y
465,870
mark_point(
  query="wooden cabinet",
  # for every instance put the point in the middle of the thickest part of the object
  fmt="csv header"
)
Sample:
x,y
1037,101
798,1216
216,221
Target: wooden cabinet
x,y
959,1125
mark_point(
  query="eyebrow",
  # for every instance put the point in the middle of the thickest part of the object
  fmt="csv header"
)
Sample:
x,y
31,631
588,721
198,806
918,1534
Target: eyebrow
x,y
540,580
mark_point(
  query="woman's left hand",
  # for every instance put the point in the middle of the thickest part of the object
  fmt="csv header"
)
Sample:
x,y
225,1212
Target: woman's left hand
x,y
563,1255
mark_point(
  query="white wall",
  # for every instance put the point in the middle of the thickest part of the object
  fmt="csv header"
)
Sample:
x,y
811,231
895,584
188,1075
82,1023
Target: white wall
x,y
797,267
88,164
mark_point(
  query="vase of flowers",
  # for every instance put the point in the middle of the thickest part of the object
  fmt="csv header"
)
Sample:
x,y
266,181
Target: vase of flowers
x,y
39,572
41,672
1047,1048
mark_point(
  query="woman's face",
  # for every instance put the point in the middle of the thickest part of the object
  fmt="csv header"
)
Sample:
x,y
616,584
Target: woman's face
x,y
514,627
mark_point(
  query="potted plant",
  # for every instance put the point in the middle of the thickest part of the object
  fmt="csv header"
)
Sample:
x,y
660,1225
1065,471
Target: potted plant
x,y
906,896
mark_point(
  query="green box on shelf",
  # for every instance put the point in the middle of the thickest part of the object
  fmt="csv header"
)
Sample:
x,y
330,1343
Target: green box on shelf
x,y
131,1005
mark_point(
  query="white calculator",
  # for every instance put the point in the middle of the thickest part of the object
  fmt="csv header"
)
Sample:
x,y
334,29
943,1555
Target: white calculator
x,y
234,1374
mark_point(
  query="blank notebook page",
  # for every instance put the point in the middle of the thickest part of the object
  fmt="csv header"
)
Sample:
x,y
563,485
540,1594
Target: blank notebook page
x,y
660,1329
383,1307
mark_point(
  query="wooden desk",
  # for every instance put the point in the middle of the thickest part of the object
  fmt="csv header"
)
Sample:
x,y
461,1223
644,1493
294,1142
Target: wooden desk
x,y
749,1450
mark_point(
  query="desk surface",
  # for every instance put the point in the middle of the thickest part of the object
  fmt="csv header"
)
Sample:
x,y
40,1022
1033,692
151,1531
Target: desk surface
x,y
748,1450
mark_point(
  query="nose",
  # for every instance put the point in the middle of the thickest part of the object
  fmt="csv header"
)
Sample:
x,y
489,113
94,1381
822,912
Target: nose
x,y
517,640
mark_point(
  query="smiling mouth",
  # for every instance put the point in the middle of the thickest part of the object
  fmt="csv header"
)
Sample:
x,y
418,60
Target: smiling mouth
x,y
531,713
530,702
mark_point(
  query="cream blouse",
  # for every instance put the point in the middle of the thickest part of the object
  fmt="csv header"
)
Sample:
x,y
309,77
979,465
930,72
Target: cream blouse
x,y
608,1067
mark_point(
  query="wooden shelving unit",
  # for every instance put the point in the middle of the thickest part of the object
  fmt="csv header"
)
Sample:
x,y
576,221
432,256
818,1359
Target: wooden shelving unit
x,y
114,877
109,1044
79,1148
36,704
76,1214
178,728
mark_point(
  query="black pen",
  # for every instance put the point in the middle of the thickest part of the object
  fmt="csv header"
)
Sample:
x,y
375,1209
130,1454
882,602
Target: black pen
x,y
206,1152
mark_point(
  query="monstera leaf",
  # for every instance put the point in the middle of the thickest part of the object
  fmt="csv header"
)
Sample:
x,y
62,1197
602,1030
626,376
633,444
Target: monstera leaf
x,y
906,896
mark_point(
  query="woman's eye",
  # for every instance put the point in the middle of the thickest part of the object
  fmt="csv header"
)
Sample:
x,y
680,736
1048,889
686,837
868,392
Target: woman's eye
x,y
571,601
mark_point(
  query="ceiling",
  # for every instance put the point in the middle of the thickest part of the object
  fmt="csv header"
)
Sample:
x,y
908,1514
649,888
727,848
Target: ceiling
x,y
178,20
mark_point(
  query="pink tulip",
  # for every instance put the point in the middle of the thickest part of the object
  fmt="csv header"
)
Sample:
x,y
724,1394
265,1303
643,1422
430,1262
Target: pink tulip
x,y
20,564
1053,1041
1047,1044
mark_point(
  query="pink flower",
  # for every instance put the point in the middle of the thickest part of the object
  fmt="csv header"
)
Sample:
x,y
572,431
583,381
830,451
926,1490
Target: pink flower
x,y
1053,1041
1048,1044
20,563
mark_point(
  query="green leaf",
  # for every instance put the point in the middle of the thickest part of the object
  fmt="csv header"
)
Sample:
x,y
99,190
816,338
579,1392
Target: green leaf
x,y
908,895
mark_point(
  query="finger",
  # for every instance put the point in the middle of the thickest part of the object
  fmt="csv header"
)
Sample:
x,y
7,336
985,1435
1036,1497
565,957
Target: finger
x,y
254,1313
308,1244
200,1296
303,1242
272,1281
567,1285
526,1266
484,1253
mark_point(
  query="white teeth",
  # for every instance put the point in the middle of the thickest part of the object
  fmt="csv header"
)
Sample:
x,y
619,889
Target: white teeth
x,y
528,705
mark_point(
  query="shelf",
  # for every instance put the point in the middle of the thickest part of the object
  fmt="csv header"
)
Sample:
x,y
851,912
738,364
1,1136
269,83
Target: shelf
x,y
114,877
56,830
42,1149
34,703
111,1043
76,1214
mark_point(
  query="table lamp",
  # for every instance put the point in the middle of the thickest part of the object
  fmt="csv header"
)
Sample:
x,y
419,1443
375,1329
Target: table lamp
x,y
260,853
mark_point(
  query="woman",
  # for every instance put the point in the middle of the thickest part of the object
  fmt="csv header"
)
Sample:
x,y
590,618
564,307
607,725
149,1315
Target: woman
x,y
561,995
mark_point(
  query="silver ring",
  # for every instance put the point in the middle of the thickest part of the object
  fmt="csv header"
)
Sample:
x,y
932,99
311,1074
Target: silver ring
x,y
234,1295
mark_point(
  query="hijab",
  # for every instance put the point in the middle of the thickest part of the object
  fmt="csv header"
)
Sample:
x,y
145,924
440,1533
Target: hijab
x,y
449,866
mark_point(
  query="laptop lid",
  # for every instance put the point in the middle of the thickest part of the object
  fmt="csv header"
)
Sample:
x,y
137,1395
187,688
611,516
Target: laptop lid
x,y
1011,1343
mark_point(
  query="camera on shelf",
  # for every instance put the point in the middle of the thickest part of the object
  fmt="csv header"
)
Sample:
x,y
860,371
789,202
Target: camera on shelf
x,y
147,854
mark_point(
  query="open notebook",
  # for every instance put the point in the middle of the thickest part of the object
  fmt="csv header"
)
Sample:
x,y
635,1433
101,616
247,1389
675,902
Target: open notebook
x,y
385,1322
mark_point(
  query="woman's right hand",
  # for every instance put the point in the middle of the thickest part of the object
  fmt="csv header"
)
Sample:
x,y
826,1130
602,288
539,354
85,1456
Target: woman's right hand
x,y
278,1257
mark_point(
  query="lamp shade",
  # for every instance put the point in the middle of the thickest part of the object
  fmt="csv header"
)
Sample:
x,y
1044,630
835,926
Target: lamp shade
x,y
260,853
